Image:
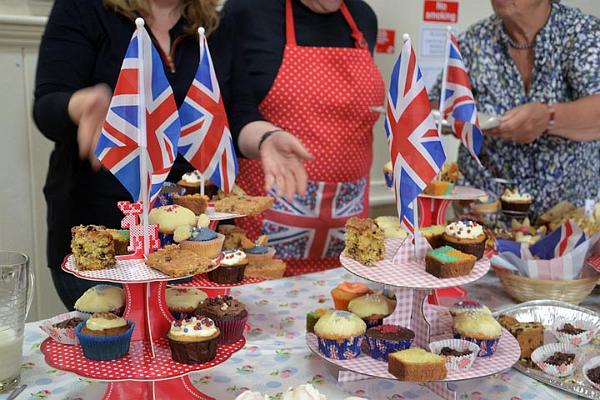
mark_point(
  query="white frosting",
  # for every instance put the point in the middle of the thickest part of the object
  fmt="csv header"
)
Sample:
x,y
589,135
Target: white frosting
x,y
101,298
193,327
303,392
192,177
514,195
184,297
203,221
99,323
234,257
249,395
462,230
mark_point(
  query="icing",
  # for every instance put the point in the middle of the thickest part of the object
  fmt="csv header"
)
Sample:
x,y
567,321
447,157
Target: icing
x,y
203,221
99,322
464,230
101,298
193,327
369,305
258,250
202,235
184,297
233,257
354,287
514,195
192,177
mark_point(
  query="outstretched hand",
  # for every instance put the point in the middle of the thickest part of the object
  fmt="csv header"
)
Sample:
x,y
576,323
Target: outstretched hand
x,y
283,157
523,124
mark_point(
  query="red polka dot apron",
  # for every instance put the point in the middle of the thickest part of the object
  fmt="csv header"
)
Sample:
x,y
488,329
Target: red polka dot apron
x,y
326,97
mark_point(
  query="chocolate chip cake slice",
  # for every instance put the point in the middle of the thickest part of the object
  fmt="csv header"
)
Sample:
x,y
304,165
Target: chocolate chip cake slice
x,y
93,247
364,241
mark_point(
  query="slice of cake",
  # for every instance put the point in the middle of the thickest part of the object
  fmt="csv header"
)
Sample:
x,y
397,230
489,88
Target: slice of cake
x,y
267,269
434,234
121,241
364,241
447,262
93,247
530,336
417,365
439,188
195,202
391,227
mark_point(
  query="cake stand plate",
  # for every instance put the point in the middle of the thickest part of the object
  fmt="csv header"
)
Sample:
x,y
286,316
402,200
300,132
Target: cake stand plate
x,y
410,274
201,281
220,216
138,365
459,193
506,355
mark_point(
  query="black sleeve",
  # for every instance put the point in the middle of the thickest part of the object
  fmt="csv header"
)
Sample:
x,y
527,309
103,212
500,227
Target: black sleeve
x,y
65,64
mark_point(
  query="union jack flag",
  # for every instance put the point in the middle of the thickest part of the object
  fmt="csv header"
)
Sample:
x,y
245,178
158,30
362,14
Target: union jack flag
x,y
415,147
559,242
460,109
205,137
126,137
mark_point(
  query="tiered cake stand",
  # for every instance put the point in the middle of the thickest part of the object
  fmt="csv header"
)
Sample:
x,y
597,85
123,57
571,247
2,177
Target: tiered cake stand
x,y
148,371
430,323
432,209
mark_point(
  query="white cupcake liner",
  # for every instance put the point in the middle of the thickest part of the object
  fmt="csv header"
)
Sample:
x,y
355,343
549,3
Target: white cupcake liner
x,y
591,364
542,353
63,335
461,363
576,340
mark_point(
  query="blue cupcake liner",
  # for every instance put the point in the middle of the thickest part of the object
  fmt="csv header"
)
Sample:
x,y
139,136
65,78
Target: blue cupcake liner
x,y
379,349
372,323
103,348
389,179
165,239
487,346
344,350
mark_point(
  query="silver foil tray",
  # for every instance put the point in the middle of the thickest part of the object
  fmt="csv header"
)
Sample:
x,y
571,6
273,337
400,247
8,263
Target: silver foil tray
x,y
547,312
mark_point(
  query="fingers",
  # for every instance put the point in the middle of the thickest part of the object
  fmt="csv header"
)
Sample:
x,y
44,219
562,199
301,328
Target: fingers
x,y
301,179
269,181
300,151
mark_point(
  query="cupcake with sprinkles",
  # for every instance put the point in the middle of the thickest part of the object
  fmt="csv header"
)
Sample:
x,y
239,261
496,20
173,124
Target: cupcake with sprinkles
x,y
467,236
231,269
193,340
340,334
386,339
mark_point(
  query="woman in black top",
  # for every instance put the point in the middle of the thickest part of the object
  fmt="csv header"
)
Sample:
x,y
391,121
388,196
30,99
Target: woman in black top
x,y
79,61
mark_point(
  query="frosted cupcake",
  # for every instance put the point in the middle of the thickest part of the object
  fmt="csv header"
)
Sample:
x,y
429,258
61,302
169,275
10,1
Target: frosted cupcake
x,y
340,334
343,293
193,340
105,336
199,239
192,181
512,200
258,251
479,328
102,298
168,218
231,269
466,236
182,301
372,308
386,339
466,306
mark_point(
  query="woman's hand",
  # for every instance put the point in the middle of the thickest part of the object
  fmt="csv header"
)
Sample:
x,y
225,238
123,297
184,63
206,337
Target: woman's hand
x,y
283,158
88,108
523,124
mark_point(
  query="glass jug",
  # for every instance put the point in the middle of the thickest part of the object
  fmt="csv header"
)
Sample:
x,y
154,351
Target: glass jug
x,y
16,293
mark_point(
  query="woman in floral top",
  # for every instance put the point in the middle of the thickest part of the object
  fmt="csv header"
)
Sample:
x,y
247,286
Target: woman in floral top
x,y
536,63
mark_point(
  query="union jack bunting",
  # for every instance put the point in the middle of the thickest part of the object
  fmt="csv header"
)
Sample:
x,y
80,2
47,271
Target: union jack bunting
x,y
141,83
205,137
559,242
460,109
415,147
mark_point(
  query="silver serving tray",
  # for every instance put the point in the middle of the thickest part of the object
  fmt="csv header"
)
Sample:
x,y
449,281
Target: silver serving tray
x,y
547,312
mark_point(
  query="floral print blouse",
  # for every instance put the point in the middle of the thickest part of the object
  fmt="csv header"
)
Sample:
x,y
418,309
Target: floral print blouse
x,y
566,68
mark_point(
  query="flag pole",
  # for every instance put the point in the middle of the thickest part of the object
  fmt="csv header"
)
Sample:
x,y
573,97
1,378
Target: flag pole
x,y
201,32
142,139
444,79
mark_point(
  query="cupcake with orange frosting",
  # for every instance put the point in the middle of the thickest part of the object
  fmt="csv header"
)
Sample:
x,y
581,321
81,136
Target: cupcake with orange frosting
x,y
345,292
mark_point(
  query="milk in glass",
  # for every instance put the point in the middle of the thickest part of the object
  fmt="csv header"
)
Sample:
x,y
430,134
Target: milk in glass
x,y
11,347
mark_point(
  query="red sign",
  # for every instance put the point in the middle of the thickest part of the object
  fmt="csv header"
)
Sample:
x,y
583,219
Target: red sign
x,y
385,41
440,11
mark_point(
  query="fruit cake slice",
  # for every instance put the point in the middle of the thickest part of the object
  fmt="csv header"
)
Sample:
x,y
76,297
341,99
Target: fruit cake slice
x,y
93,247
364,241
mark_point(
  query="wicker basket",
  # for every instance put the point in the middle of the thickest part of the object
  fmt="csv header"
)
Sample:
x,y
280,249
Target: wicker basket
x,y
523,289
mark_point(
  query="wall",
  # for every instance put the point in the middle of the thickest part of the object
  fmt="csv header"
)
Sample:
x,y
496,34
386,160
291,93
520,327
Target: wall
x,y
24,152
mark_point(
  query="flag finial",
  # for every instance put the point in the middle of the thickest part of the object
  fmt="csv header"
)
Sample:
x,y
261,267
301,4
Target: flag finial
x,y
201,31
405,37
139,22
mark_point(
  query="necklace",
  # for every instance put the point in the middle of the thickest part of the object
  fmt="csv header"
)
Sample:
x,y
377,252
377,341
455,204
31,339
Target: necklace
x,y
519,46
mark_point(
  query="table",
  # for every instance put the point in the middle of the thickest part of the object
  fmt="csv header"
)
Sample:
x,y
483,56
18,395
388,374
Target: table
x,y
276,355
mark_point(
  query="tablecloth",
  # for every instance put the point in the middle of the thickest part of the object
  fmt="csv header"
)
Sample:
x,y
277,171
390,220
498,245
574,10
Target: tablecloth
x,y
276,356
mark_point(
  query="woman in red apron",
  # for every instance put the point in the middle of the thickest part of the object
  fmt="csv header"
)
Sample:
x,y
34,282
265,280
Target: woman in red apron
x,y
326,97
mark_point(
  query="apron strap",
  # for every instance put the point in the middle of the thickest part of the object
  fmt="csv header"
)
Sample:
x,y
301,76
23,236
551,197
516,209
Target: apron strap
x,y
290,29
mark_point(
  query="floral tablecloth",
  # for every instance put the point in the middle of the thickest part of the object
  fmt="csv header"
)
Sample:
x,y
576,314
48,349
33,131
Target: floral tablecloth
x,y
276,356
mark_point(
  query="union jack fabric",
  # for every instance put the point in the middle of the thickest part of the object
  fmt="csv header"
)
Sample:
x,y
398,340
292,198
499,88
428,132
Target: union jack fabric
x,y
460,109
415,147
141,83
316,221
559,242
205,137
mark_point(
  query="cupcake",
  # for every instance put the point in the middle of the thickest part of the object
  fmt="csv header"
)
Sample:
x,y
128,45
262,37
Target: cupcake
x,y
479,328
62,327
229,315
191,182
183,302
591,372
466,306
312,317
556,359
386,339
258,251
346,291
105,336
466,236
372,308
460,354
513,201
202,241
231,269
576,333
340,334
168,218
102,298
193,340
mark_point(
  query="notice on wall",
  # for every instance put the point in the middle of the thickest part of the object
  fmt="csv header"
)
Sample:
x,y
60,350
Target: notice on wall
x,y
386,38
440,11
433,42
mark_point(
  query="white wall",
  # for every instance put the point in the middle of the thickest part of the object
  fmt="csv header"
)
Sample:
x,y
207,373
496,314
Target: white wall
x,y
24,152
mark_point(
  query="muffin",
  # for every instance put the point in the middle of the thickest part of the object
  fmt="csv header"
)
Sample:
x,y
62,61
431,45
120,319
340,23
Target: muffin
x,y
340,334
479,328
385,339
312,317
193,340
346,291
197,203
202,241
417,365
191,182
447,262
233,236
258,251
168,218
372,308
466,236
102,298
391,227
183,302
229,315
231,269
512,200
120,241
434,234
466,306
105,336
487,204
364,241
93,247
